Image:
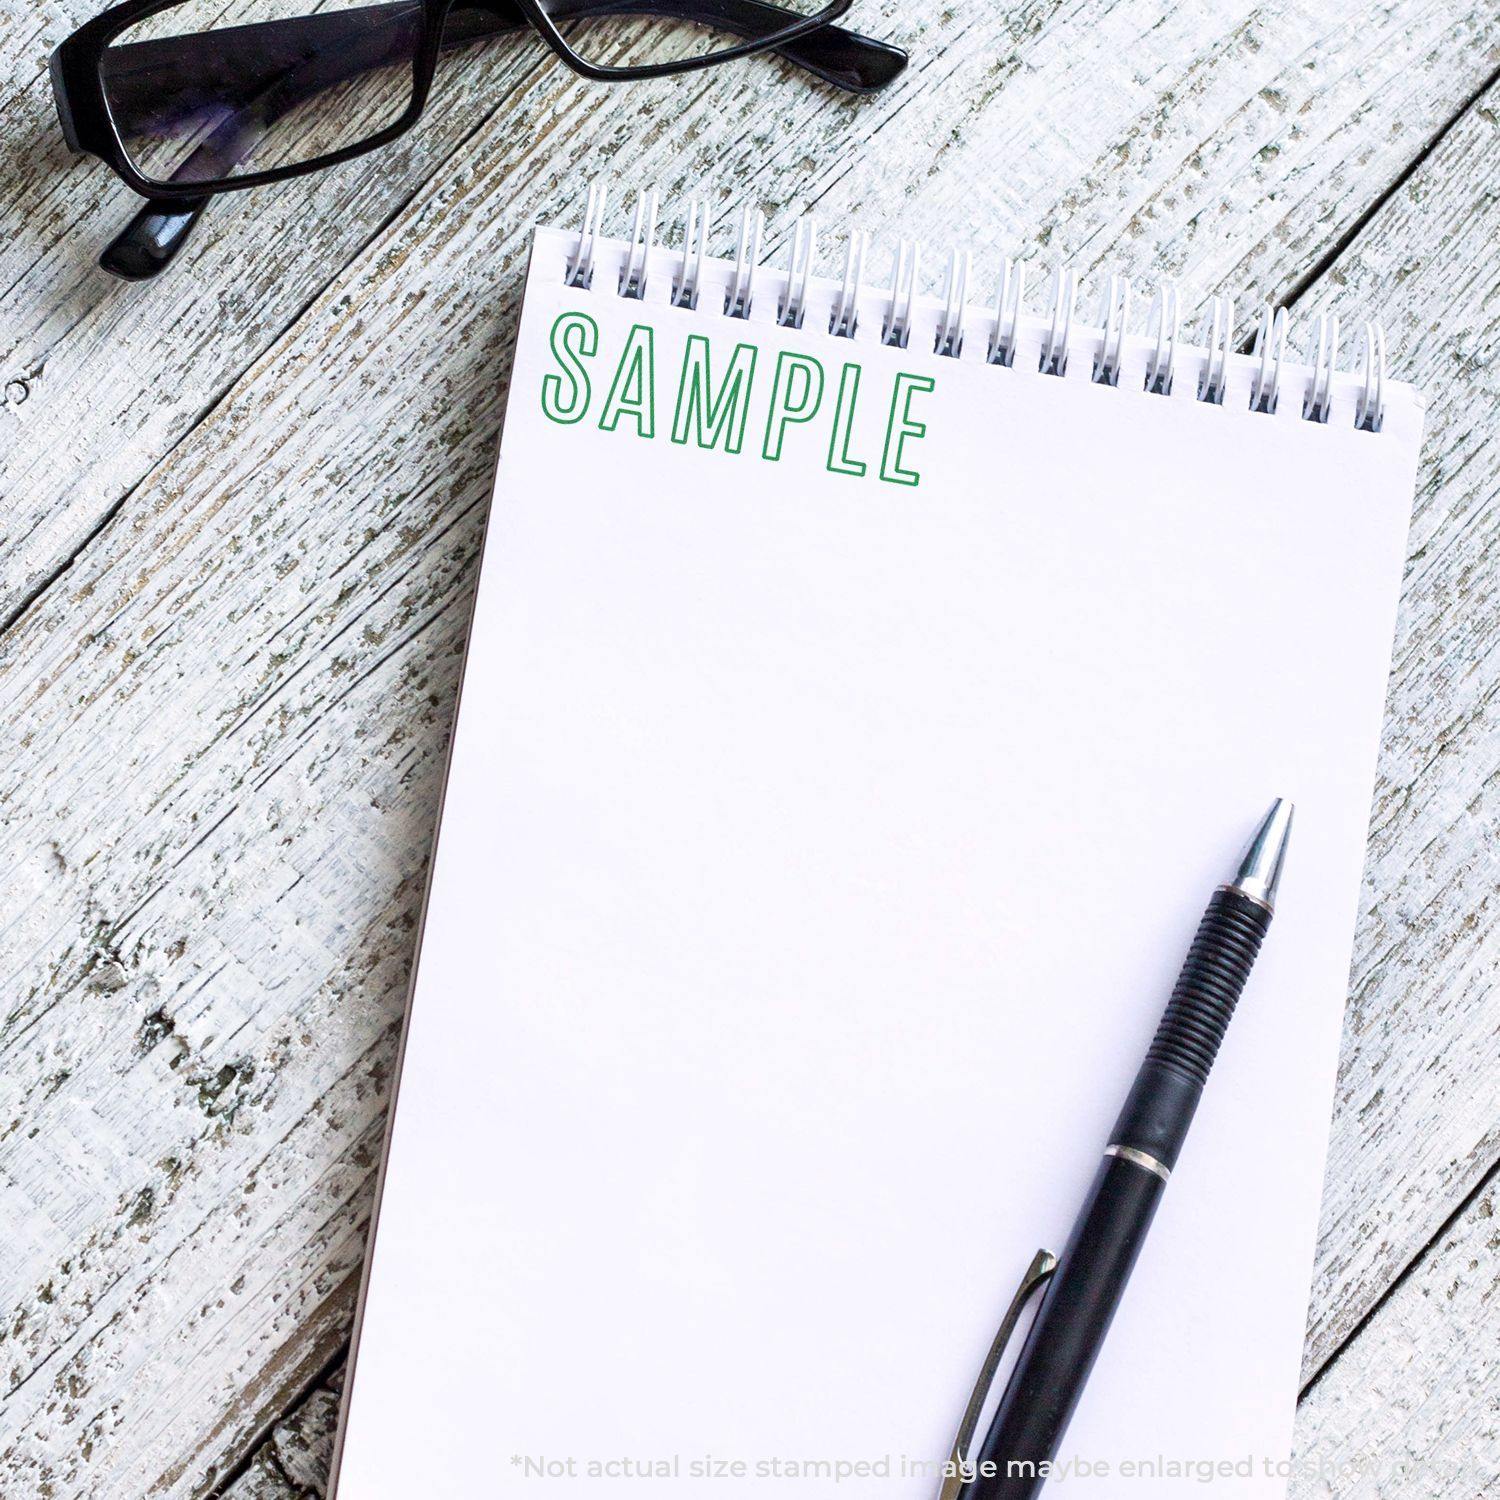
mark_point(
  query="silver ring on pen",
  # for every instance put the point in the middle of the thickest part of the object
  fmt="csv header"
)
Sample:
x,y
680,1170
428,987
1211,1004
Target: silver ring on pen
x,y
1140,1159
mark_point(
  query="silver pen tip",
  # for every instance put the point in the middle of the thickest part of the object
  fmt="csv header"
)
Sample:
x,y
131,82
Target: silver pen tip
x,y
1260,870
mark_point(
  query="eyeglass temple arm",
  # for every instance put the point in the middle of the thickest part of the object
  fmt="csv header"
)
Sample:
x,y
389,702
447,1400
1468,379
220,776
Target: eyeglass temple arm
x,y
160,228
843,58
151,239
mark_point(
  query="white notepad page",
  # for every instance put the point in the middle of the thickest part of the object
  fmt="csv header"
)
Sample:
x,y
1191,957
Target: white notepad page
x,y
818,853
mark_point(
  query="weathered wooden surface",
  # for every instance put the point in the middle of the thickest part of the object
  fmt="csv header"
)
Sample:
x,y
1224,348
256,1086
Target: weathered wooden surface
x,y
1409,1407
240,511
1417,1122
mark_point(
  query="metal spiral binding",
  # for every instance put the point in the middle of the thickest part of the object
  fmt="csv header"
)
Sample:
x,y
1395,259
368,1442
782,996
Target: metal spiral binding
x,y
1054,360
1008,299
642,238
1114,319
1369,411
1270,345
844,319
1166,319
897,329
1218,339
689,277
793,306
581,266
1011,324
746,260
1326,346
950,332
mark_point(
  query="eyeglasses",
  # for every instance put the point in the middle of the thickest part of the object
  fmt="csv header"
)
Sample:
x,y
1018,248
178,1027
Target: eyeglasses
x,y
188,98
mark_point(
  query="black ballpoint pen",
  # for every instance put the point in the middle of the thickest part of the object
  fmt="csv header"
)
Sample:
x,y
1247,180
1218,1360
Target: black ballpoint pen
x,y
1084,1284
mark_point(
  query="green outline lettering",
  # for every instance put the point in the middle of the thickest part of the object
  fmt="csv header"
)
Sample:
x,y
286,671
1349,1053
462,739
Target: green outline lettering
x,y
717,415
785,409
839,460
632,393
574,338
901,426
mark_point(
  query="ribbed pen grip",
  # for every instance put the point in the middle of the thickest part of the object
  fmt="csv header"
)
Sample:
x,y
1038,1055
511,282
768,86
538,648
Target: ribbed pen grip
x,y
1170,1082
1209,986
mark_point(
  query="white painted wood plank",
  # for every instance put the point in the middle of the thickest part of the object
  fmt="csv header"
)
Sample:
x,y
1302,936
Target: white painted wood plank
x,y
231,716
1418,1114
1410,1408
294,1459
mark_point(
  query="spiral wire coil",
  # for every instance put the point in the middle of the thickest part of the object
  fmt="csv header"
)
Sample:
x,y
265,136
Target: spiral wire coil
x,y
1214,355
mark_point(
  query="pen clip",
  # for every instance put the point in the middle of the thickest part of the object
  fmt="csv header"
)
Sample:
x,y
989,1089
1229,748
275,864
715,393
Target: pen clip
x,y
1043,1264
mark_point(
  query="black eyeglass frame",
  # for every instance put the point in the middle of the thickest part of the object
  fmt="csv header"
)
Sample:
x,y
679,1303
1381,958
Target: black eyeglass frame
x,y
77,72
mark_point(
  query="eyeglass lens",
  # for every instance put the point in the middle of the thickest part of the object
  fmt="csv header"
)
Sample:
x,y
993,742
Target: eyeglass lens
x,y
215,89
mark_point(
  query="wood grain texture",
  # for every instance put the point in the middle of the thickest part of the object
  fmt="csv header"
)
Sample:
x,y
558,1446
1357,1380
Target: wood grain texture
x,y
1417,1122
256,491
293,1462
1409,1409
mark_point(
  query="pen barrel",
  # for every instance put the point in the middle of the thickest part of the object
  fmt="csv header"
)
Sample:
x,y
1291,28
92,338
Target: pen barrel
x,y
1066,1336
1079,1304
1161,1104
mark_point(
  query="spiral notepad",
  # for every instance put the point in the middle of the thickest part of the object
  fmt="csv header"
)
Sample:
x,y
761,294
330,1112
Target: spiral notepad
x,y
864,688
